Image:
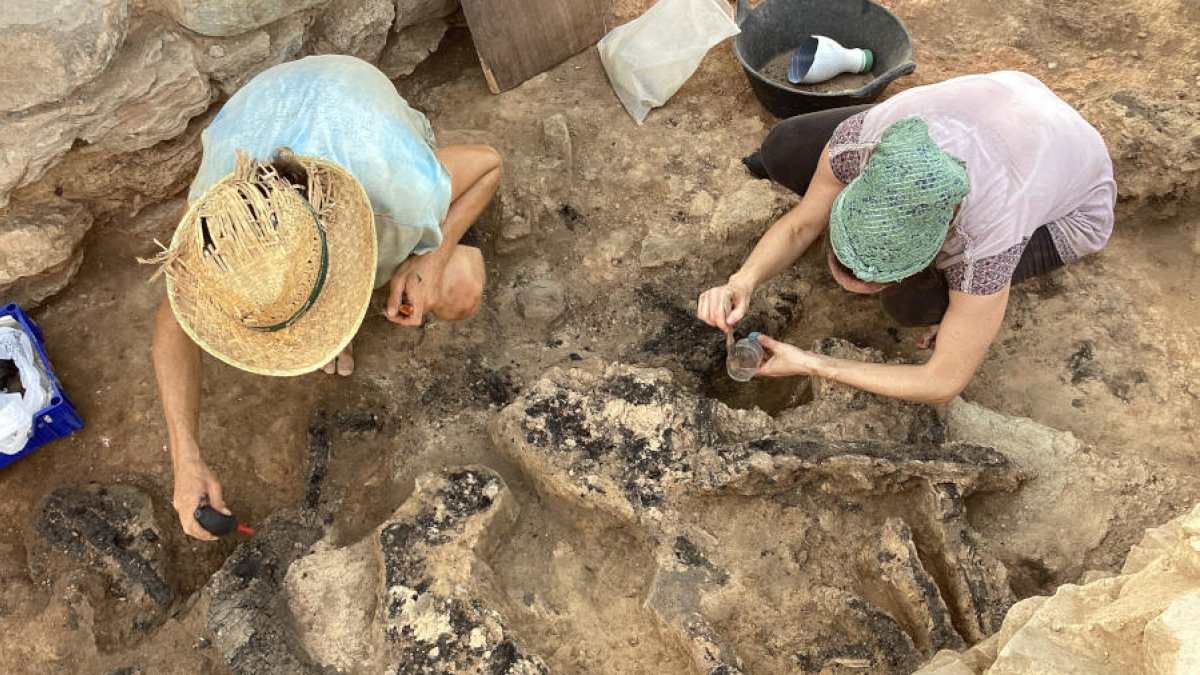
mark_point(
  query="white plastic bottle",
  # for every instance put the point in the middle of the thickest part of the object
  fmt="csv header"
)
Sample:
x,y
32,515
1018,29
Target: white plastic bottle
x,y
820,58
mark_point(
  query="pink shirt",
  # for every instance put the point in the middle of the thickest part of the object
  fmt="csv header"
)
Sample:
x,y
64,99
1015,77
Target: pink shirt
x,y
1031,160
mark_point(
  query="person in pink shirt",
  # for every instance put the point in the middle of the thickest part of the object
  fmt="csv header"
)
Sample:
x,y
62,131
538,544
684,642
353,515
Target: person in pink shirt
x,y
938,200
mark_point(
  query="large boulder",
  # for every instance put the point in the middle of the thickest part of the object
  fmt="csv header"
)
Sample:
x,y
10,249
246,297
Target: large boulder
x,y
223,18
355,27
51,47
231,62
407,48
39,247
1142,621
410,12
148,94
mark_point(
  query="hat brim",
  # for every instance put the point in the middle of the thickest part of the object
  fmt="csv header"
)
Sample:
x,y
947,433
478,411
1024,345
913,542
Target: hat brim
x,y
318,336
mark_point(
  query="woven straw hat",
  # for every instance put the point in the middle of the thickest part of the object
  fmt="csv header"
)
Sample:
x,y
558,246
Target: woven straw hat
x,y
273,278
891,221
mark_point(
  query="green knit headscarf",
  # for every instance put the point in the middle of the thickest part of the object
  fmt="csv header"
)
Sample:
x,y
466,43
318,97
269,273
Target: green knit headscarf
x,y
890,222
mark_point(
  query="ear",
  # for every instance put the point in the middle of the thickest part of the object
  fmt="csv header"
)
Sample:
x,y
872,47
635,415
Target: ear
x,y
846,278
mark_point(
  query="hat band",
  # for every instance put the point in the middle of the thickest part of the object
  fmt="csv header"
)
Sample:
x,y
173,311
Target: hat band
x,y
319,284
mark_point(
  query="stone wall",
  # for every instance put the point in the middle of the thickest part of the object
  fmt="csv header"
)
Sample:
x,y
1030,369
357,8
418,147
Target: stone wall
x,y
102,102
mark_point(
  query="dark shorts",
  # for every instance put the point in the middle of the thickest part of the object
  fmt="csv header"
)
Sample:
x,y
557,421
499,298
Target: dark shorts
x,y
790,154
922,299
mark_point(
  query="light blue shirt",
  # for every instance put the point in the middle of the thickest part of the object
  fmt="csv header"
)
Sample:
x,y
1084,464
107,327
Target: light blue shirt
x,y
344,110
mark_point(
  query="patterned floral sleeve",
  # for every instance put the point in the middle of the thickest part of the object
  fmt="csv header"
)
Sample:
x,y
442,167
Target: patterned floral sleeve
x,y
985,276
846,152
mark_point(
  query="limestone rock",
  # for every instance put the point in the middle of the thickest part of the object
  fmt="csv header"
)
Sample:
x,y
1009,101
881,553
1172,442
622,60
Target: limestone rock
x,y
114,187
50,48
1160,540
542,301
1172,640
148,94
39,242
231,62
661,249
32,291
355,27
701,205
1145,133
411,12
745,215
556,138
411,596
407,48
1143,621
223,18
110,530
970,662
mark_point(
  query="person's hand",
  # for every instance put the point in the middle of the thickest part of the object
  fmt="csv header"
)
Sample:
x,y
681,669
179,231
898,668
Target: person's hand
x,y
781,359
194,483
414,288
724,306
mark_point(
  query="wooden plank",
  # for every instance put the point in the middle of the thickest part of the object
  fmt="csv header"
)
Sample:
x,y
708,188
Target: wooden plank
x,y
517,39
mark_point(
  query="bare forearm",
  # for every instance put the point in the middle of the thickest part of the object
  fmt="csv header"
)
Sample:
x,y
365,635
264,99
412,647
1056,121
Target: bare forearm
x,y
177,369
475,174
463,212
920,383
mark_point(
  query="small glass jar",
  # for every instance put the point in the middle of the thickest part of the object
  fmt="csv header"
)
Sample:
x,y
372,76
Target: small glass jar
x,y
744,358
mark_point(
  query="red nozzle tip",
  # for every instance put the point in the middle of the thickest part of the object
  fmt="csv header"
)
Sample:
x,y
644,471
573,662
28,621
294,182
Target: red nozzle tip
x,y
244,530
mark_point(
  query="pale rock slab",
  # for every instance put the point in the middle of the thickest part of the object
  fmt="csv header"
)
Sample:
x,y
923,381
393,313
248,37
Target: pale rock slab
x,y
224,18
49,48
148,94
1142,621
355,27
407,48
38,247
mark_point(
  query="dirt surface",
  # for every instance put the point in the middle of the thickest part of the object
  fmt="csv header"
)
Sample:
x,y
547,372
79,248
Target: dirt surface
x,y
629,224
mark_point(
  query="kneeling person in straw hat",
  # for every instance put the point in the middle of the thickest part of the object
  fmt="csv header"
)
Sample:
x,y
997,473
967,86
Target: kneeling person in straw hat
x,y
318,185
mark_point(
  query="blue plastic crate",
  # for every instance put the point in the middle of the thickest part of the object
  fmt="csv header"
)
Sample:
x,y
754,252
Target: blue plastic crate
x,y
55,420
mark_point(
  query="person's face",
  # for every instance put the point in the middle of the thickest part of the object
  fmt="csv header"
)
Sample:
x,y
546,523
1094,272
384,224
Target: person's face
x,y
846,278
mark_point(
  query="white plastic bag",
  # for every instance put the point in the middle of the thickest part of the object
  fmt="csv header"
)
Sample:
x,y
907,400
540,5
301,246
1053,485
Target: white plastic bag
x,y
649,58
17,410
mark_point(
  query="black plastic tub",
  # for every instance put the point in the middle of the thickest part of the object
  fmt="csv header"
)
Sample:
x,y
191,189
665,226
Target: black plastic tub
x,y
778,26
